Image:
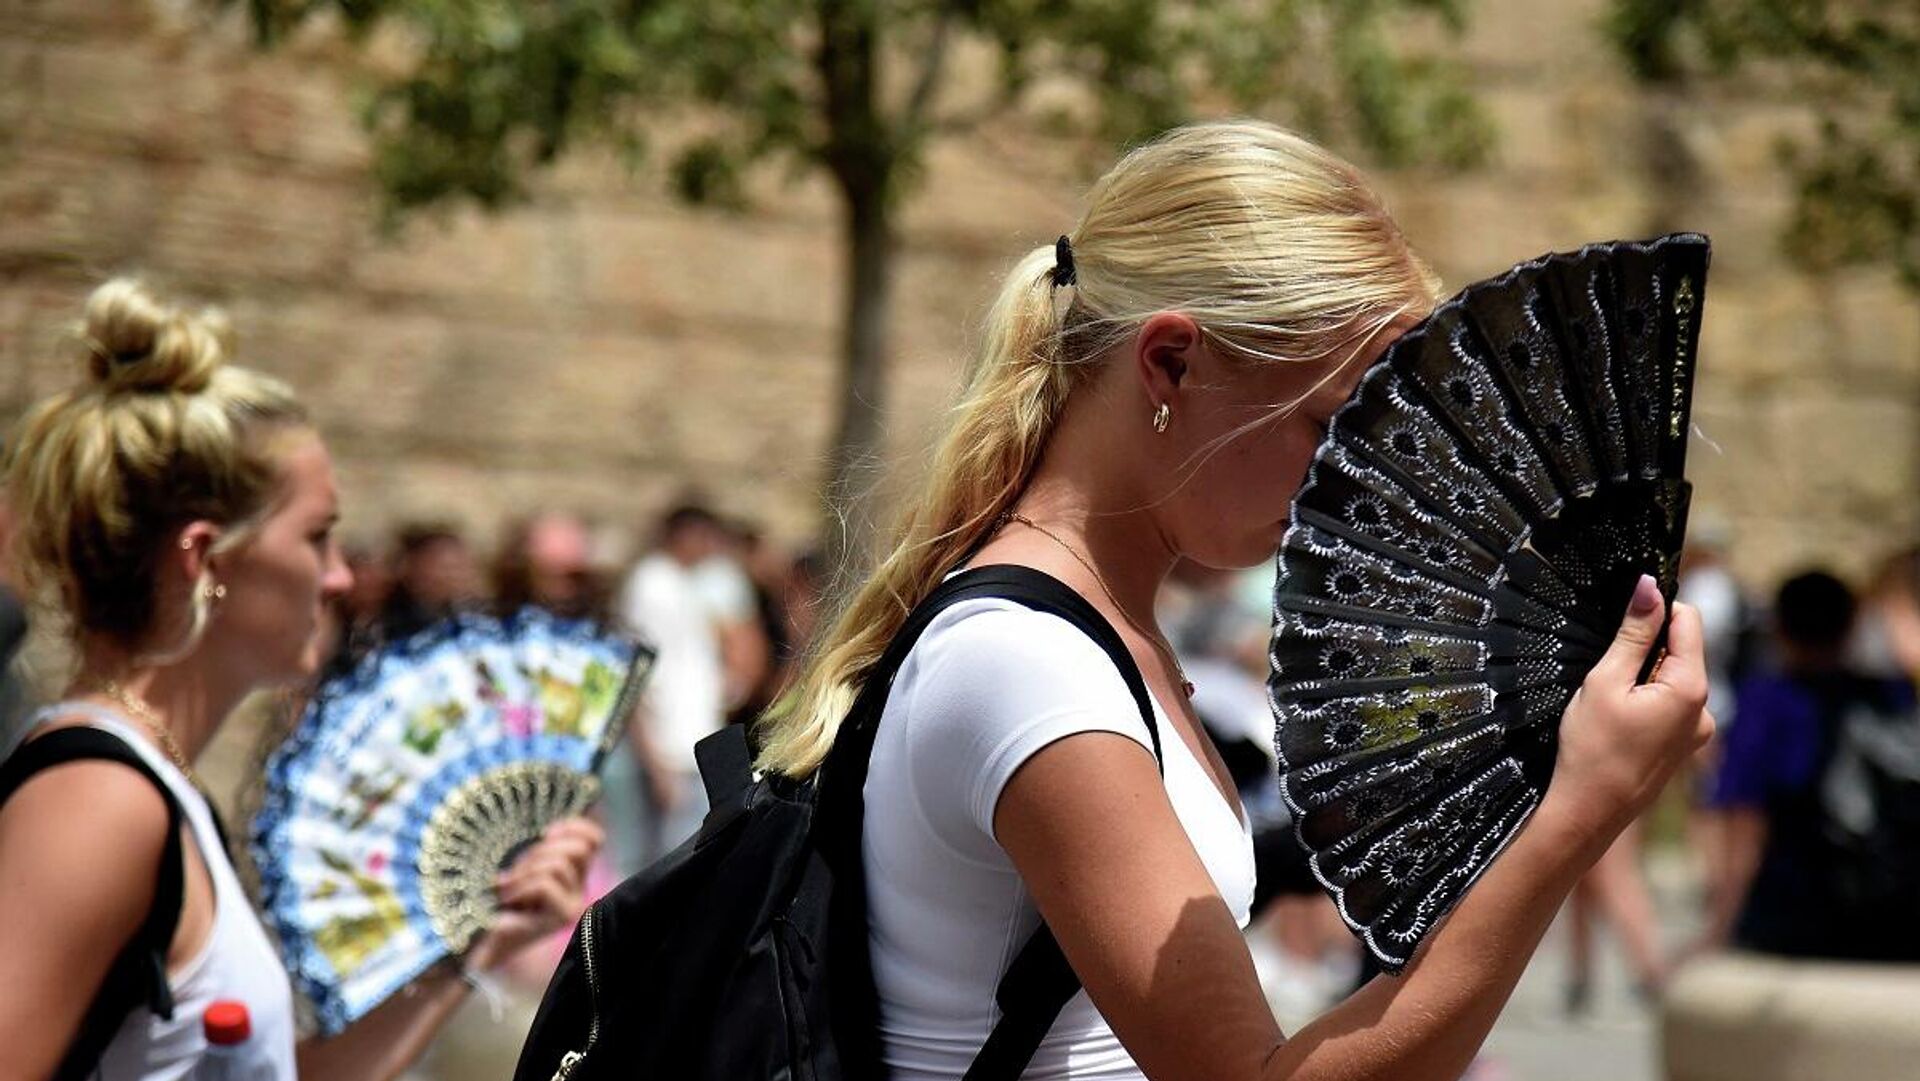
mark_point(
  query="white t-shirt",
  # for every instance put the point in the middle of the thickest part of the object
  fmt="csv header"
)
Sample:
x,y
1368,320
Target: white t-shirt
x,y
670,606
988,684
725,587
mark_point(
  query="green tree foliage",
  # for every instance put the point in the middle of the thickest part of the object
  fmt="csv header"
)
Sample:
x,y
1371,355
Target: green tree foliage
x,y
494,90
1855,63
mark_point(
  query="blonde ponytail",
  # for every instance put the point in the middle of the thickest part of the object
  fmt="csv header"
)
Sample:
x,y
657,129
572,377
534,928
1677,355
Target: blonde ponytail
x,y
1014,393
1277,249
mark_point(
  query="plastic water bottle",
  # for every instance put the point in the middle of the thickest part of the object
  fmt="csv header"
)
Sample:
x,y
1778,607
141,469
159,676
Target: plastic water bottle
x,y
232,1055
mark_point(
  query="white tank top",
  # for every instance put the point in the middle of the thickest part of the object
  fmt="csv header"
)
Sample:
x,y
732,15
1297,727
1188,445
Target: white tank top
x,y
238,961
989,683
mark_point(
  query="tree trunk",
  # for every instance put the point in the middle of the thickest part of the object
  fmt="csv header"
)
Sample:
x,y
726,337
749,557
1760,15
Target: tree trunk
x,y
860,154
856,460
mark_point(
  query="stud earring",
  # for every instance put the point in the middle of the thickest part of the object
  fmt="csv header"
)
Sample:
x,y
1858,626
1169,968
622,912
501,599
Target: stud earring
x,y
1161,416
215,592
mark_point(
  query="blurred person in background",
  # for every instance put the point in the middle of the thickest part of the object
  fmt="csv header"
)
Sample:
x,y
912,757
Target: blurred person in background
x,y
434,576
179,511
1220,628
1807,875
806,592
547,561
15,696
725,578
1728,618
1887,641
1615,890
801,597
766,568
691,600
353,623
372,583
1735,641
1222,647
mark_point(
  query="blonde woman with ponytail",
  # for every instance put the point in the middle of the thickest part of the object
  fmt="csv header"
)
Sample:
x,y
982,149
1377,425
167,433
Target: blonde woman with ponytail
x,y
178,512
1150,389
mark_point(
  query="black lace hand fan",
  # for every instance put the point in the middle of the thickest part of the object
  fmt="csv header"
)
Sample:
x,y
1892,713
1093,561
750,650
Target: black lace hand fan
x,y
1461,553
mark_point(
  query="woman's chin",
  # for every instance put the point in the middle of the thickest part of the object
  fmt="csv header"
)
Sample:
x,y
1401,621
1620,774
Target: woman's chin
x,y
1256,552
305,667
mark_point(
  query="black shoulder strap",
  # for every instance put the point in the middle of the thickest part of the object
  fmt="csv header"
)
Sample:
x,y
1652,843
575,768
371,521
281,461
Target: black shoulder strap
x,y
139,974
1039,982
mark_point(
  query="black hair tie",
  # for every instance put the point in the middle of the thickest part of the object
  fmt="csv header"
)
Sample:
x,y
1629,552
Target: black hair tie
x,y
1063,272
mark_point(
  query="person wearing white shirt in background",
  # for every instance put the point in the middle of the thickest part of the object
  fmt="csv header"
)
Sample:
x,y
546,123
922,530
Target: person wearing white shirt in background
x,y
1729,620
691,602
1707,583
727,587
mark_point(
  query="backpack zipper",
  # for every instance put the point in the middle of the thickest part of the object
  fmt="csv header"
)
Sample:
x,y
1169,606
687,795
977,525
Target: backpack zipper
x,y
573,1058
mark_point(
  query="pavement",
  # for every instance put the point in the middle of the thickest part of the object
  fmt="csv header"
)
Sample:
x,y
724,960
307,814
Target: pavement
x,y
1617,1038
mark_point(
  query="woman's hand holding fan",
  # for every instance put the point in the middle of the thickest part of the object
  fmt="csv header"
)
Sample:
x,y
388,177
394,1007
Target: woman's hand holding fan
x,y
542,891
1621,740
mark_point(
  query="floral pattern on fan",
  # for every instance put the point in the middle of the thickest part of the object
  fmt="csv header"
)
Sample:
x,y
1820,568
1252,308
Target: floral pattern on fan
x,y
1461,553
410,781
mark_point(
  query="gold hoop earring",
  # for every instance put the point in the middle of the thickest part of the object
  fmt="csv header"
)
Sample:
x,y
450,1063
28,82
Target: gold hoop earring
x,y
1161,416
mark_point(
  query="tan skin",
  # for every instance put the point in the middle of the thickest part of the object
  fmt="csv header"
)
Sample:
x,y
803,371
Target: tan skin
x,y
83,841
1087,822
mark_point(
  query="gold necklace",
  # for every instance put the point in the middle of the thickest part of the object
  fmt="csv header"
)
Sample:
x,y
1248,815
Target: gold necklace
x,y
1159,643
151,720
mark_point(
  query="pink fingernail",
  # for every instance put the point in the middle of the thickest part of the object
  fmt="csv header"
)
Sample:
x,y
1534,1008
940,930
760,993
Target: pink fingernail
x,y
1646,596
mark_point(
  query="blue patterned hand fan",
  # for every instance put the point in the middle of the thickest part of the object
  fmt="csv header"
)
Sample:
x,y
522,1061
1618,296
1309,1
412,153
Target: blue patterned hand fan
x,y
414,779
1461,553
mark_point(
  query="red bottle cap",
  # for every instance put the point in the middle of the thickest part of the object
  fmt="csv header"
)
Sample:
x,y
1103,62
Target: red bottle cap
x,y
226,1023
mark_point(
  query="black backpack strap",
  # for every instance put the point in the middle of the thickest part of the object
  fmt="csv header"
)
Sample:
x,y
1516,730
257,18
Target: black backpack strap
x,y
726,770
138,975
1039,982
847,763
1037,986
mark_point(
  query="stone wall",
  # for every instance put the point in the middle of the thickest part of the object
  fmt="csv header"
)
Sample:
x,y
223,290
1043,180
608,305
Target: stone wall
x,y
603,348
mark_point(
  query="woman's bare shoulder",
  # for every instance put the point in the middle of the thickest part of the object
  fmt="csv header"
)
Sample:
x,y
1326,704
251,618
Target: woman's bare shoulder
x,y
84,825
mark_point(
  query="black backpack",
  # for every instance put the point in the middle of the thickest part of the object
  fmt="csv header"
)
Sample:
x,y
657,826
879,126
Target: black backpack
x,y
1839,877
138,976
742,955
1870,824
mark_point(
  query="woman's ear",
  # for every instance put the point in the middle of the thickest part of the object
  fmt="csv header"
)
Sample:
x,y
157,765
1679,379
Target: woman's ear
x,y
192,550
1163,352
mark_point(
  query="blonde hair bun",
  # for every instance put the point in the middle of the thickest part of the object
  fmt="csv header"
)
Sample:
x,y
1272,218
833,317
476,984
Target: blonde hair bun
x,y
100,476
136,341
